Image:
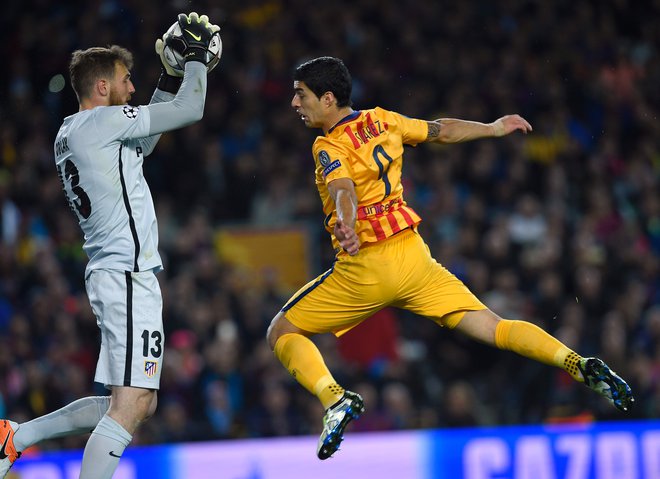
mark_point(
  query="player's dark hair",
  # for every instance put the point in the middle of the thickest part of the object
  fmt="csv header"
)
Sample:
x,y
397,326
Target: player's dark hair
x,y
88,66
325,74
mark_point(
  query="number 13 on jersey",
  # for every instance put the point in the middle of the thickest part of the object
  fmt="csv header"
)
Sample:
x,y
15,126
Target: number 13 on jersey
x,y
79,202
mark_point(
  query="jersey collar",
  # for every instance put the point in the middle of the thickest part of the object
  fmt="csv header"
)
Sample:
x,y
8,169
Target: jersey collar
x,y
346,119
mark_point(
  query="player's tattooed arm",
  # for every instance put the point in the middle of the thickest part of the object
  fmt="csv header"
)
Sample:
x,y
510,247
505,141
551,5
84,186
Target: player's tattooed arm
x,y
434,130
454,130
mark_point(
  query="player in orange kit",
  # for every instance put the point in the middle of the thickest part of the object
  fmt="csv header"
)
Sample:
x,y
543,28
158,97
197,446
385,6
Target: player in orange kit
x,y
381,258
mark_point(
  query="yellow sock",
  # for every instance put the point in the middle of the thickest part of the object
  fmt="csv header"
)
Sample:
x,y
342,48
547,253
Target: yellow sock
x,y
302,359
530,341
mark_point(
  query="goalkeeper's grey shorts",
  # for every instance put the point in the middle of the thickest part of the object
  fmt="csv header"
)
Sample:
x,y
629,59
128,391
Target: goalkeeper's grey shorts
x,y
128,308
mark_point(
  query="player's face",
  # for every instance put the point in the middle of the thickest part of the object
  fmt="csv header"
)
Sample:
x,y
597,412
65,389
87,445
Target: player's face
x,y
121,87
307,105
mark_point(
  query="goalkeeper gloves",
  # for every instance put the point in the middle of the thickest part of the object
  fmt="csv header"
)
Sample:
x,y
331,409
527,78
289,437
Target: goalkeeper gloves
x,y
196,33
170,79
193,43
160,46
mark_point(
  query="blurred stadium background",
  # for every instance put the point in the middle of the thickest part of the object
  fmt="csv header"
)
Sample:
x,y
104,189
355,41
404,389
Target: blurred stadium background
x,y
561,228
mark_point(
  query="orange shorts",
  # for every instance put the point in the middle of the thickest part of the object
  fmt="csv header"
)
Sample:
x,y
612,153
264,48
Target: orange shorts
x,y
399,272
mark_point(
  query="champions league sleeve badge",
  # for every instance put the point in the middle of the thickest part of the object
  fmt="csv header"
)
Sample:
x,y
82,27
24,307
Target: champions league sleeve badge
x,y
324,158
326,163
131,112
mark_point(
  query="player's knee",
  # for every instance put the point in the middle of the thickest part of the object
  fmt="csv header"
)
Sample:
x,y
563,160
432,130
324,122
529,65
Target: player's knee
x,y
151,410
145,405
480,325
279,326
272,335
145,408
131,407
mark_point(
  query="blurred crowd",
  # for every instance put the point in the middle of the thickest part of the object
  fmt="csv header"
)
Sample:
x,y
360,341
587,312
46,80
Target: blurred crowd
x,y
560,227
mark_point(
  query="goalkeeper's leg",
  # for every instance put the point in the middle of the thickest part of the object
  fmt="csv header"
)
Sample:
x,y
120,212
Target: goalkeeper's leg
x,y
78,417
129,408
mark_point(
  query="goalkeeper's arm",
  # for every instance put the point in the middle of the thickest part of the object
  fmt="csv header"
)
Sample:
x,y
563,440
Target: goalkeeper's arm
x,y
186,107
149,143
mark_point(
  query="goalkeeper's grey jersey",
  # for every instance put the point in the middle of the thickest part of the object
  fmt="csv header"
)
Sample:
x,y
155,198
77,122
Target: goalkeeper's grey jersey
x,y
99,160
99,154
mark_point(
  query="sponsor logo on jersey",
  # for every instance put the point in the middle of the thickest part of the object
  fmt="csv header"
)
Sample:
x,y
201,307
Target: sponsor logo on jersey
x,y
150,368
332,166
324,158
378,209
131,112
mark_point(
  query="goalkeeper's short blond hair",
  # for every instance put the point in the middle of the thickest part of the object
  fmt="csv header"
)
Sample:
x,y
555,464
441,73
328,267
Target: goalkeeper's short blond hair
x,y
88,66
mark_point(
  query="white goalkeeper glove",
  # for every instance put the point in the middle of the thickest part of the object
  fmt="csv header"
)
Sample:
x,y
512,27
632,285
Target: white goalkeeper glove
x,y
190,45
160,46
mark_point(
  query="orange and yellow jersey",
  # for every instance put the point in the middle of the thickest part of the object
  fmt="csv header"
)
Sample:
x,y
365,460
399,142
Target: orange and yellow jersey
x,y
367,147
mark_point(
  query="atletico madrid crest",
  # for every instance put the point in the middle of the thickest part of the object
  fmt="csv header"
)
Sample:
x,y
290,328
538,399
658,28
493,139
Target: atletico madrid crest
x,y
150,368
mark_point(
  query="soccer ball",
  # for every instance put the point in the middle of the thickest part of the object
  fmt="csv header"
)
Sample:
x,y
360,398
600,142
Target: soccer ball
x,y
173,50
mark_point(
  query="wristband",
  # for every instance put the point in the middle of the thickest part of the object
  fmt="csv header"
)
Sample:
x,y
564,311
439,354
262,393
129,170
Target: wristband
x,y
196,54
169,83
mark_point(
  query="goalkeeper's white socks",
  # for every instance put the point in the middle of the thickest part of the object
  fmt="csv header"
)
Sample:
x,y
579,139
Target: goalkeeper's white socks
x,y
104,449
78,417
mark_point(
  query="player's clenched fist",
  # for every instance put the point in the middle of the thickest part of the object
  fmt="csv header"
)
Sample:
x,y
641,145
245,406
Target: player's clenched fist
x,y
347,237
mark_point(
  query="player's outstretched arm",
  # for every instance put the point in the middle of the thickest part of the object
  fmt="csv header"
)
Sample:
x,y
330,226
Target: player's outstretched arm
x,y
453,130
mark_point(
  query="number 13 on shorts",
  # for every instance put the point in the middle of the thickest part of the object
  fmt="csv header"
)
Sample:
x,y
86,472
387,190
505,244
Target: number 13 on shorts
x,y
132,339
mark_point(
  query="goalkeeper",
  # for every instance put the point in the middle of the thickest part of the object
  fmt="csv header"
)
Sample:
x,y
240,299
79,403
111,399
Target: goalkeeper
x,y
99,153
